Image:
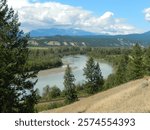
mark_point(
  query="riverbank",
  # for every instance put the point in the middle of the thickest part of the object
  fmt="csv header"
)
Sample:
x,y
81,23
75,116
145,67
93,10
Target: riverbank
x,y
51,71
55,76
46,72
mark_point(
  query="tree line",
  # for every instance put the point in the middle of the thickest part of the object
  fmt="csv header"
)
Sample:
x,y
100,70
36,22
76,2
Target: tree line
x,y
131,66
47,58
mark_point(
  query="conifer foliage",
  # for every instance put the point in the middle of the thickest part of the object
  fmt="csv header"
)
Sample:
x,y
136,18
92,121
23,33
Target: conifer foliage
x,y
93,76
135,65
146,61
70,91
16,88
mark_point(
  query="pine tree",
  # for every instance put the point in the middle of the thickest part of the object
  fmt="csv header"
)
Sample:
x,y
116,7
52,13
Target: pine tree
x,y
93,76
16,88
99,81
89,70
120,76
135,65
146,62
70,92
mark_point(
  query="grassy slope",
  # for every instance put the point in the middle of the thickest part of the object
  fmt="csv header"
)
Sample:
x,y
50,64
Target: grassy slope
x,y
133,96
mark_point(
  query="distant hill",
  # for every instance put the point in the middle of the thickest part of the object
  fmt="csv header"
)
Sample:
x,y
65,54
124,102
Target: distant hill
x,y
130,97
144,37
73,37
62,32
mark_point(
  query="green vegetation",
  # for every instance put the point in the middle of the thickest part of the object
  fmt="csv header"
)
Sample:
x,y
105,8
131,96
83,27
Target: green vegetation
x,y
135,65
131,66
47,58
40,59
55,105
18,64
49,105
129,63
94,77
16,89
146,61
92,41
70,92
111,55
51,93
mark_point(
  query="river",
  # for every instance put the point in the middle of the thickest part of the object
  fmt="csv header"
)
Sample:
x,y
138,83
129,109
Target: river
x,y
55,76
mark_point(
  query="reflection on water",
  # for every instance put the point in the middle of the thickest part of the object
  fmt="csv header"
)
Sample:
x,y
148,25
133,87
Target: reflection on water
x,y
77,62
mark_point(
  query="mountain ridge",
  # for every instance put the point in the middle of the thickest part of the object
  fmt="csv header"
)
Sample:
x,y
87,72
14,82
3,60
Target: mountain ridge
x,y
83,38
62,32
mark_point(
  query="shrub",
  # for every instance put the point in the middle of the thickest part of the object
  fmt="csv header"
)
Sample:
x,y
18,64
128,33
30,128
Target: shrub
x,y
55,105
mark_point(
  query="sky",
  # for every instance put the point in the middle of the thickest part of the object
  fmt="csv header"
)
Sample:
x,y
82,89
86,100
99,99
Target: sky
x,y
98,16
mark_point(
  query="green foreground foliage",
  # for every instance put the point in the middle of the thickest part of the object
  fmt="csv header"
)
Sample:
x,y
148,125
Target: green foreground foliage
x,y
93,76
51,92
70,91
17,92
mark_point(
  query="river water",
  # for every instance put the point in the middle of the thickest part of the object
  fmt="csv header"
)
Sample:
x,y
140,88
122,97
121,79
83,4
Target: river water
x,y
77,63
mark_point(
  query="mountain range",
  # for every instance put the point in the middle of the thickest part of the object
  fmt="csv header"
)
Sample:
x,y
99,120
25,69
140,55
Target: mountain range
x,y
62,32
75,37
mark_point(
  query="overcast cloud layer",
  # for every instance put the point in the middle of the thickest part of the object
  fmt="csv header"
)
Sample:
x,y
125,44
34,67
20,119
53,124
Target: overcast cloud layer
x,y
57,15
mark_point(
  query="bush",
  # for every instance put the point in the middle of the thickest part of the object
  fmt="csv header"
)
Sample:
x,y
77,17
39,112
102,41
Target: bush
x,y
51,92
90,88
79,87
54,92
110,82
55,105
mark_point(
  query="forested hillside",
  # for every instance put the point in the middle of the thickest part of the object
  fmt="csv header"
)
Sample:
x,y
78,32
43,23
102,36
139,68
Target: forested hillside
x,y
92,40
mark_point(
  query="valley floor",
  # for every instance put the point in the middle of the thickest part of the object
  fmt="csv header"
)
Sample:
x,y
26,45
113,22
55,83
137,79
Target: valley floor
x,y
133,96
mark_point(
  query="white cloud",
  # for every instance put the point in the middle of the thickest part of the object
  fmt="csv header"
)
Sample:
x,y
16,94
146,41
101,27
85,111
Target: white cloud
x,y
53,14
147,14
16,4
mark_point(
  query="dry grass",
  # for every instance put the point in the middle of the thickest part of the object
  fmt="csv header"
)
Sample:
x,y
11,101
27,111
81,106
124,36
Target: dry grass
x,y
133,96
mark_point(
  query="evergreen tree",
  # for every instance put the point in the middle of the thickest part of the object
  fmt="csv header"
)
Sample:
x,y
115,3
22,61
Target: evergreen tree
x,y
110,82
99,81
37,92
120,76
93,76
135,65
89,70
146,62
16,88
70,91
46,91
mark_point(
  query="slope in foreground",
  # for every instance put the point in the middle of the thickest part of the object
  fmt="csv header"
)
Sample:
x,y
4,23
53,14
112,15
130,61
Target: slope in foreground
x,y
133,96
